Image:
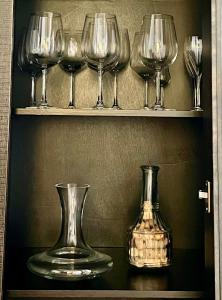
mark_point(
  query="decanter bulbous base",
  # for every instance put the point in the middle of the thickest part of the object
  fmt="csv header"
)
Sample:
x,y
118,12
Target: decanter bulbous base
x,y
69,264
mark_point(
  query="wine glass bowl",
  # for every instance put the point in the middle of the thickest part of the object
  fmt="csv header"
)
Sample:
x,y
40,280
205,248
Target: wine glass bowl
x,y
159,46
100,39
45,44
72,61
124,52
165,77
100,45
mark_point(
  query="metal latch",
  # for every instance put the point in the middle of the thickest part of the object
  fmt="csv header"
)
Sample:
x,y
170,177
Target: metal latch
x,y
206,195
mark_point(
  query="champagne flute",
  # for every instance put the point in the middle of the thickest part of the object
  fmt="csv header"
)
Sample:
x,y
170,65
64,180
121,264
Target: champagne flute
x,y
72,61
44,44
193,60
28,67
159,47
139,67
122,62
100,45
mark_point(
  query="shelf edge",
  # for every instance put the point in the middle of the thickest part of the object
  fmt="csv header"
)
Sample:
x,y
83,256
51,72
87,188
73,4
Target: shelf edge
x,y
106,113
128,294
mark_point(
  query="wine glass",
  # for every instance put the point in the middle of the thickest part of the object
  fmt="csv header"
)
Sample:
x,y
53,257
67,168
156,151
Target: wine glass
x,y
139,67
28,67
122,62
159,47
44,44
100,45
193,48
72,61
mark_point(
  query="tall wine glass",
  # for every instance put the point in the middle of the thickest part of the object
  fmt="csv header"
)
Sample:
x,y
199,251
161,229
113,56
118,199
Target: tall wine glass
x,y
28,67
193,48
100,45
72,61
121,63
159,47
44,44
139,67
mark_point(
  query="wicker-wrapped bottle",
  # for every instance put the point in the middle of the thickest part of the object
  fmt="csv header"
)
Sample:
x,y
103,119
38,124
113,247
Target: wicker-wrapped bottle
x,y
150,239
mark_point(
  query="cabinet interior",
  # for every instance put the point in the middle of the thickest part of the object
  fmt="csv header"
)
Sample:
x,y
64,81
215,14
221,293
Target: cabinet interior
x,y
107,152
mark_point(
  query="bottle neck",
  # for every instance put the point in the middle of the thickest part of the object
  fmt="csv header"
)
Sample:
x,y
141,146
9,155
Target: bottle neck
x,y
150,186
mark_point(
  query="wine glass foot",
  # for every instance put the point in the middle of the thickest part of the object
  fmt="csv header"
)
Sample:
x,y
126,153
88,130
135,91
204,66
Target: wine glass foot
x,y
44,106
197,109
158,107
116,107
99,106
71,107
146,107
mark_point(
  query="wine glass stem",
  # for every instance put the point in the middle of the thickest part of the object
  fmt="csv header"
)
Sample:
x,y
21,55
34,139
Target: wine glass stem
x,y
115,103
100,95
197,91
194,93
158,90
44,79
162,95
146,93
33,98
72,87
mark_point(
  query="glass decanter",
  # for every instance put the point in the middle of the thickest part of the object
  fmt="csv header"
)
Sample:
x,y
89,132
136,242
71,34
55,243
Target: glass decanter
x,y
150,239
71,258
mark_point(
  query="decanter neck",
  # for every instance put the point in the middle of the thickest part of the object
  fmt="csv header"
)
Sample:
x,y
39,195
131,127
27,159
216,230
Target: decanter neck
x,y
72,202
150,186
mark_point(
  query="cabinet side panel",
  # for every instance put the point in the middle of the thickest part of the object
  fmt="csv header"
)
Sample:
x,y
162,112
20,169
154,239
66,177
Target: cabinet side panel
x,y
217,134
6,19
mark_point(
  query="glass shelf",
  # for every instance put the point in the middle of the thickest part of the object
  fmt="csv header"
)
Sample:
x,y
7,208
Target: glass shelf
x,y
107,113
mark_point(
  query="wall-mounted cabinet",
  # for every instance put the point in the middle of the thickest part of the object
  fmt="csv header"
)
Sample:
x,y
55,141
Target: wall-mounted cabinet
x,y
106,149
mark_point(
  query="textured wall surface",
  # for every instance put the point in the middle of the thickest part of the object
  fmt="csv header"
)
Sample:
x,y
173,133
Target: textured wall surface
x,y
107,154
6,14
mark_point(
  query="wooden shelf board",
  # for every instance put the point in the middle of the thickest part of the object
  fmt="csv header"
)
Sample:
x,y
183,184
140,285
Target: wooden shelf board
x,y
106,112
184,280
